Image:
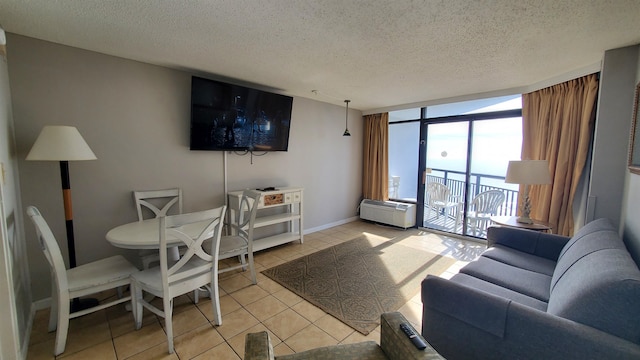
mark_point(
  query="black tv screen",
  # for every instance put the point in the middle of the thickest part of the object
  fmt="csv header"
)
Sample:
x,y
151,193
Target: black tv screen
x,y
231,117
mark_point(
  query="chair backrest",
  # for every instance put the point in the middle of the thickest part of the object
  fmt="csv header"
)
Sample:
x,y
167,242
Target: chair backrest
x,y
50,248
437,192
246,214
487,202
192,230
160,202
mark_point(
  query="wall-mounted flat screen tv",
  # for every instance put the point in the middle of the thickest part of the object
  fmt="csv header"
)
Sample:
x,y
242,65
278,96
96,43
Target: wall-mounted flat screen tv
x,y
228,117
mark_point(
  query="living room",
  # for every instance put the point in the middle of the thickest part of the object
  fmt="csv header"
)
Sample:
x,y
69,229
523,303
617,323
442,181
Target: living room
x,y
135,115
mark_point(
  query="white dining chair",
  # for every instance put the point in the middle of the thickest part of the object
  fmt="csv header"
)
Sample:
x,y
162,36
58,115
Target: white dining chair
x,y
240,241
196,268
86,279
153,204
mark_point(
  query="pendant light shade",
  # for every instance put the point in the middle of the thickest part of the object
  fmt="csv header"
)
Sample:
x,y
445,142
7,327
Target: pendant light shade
x,y
346,120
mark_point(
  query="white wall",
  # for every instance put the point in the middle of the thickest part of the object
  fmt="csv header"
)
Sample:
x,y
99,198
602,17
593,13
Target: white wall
x,y
135,117
15,294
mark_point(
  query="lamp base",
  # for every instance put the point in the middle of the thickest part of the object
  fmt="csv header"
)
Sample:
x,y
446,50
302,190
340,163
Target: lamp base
x,y
524,220
78,304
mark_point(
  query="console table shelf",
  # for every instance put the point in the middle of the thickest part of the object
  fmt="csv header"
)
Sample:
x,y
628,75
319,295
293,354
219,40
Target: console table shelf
x,y
286,199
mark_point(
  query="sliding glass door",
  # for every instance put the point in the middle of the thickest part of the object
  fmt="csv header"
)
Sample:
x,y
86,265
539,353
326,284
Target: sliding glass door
x,y
464,167
450,160
444,174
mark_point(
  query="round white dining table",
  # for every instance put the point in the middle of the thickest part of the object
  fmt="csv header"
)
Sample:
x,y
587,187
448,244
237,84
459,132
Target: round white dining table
x,y
146,234
137,235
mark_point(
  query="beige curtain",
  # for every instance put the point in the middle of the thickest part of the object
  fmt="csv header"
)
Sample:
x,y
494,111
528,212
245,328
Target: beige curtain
x,y
375,177
557,126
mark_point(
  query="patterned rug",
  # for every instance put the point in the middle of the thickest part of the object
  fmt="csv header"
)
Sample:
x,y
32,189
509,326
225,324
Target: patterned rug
x,y
358,280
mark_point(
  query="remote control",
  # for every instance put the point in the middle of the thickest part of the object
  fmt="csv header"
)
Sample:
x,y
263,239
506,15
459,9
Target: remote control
x,y
415,339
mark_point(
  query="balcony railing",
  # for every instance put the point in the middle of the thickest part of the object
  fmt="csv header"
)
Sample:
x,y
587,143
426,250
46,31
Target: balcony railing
x,y
457,188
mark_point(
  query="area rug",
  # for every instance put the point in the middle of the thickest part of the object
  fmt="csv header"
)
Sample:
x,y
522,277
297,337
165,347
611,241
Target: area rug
x,y
358,280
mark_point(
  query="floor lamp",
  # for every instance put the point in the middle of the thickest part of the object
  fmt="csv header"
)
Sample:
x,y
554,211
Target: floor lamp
x,y
64,144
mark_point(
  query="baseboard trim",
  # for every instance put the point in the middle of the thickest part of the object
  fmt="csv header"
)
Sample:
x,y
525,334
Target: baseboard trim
x,y
330,225
41,304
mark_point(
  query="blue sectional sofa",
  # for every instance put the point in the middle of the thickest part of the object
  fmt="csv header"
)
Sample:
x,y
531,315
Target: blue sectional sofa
x,y
533,295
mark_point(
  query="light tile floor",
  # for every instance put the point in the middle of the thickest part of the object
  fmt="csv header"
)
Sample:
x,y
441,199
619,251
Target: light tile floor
x,y
294,324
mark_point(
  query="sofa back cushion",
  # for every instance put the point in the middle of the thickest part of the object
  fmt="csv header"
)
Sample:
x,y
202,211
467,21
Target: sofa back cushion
x,y
596,282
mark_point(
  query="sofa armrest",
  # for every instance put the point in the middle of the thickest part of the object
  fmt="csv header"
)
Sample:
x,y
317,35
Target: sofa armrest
x,y
536,243
395,343
455,324
257,346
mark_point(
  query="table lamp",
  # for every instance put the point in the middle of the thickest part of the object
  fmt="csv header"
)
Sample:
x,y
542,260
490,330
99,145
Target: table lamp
x,y
64,144
527,172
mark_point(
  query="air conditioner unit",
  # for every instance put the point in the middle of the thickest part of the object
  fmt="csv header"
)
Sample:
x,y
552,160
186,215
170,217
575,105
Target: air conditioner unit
x,y
388,212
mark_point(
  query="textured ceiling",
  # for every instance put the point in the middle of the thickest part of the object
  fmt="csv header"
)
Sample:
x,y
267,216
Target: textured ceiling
x,y
377,53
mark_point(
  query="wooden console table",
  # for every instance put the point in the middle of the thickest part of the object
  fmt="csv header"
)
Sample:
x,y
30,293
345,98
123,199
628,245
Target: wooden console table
x,y
279,216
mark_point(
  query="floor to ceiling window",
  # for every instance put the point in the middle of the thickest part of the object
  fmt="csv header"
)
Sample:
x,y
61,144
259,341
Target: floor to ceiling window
x,y
451,160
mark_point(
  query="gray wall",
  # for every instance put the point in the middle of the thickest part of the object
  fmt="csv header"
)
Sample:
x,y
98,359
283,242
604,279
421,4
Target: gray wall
x,y
135,117
631,206
611,140
15,299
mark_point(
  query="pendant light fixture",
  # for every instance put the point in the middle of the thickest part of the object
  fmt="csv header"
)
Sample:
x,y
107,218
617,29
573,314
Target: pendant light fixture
x,y
346,120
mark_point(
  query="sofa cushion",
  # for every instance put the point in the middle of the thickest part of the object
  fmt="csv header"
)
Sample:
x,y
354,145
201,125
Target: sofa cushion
x,y
494,289
524,281
601,289
520,259
580,246
596,235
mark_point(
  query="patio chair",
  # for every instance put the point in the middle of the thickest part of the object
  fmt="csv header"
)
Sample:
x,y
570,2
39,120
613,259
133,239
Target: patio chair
x,y
483,206
440,200
394,185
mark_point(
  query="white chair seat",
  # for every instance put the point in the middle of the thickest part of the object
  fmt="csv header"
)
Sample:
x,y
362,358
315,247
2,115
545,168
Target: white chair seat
x,y
232,245
152,278
99,275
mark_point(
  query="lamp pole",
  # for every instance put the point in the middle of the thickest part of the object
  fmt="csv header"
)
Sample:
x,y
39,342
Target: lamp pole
x,y
68,212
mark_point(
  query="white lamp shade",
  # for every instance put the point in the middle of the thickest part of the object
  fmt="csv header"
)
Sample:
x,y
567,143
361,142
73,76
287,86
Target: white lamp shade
x,y
60,143
528,172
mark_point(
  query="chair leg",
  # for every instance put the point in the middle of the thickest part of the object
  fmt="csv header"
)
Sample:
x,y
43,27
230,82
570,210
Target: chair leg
x,y
136,304
168,322
53,311
252,268
132,303
63,325
214,294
